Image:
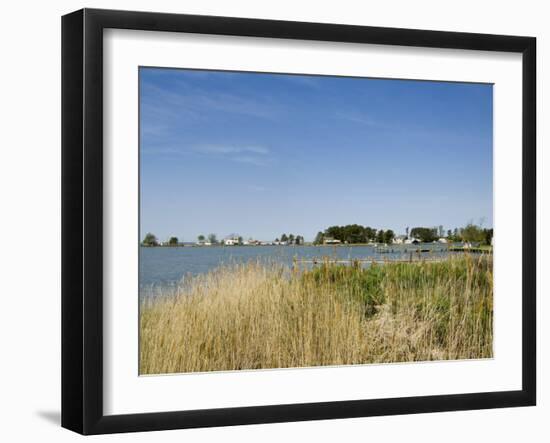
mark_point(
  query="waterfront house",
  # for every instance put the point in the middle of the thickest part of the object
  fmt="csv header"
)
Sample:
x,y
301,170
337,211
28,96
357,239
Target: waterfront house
x,y
400,239
232,240
331,241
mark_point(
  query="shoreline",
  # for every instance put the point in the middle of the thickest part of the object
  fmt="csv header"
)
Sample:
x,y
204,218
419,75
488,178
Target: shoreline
x,y
447,246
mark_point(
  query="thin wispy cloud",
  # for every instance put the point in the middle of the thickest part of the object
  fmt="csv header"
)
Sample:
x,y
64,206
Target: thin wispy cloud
x,y
251,154
359,118
164,150
256,161
194,101
154,129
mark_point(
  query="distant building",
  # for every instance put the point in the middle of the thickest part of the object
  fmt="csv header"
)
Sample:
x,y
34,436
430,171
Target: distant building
x,y
400,239
411,241
443,240
331,241
232,240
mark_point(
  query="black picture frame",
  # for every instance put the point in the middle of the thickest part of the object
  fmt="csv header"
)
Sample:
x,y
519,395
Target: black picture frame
x,y
82,221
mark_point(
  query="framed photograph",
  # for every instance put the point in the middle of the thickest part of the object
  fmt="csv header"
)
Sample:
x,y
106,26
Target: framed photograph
x,y
269,221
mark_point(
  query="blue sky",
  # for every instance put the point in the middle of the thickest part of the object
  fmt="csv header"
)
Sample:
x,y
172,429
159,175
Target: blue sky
x,y
262,154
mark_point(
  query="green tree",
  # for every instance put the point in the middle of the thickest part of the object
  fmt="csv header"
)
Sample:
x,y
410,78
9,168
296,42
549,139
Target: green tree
x,y
425,235
173,241
240,240
291,239
319,238
473,233
150,240
354,234
335,232
284,238
201,238
389,236
213,239
370,234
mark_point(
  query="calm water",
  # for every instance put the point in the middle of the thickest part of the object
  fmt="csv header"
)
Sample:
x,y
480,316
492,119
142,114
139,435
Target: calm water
x,y
165,267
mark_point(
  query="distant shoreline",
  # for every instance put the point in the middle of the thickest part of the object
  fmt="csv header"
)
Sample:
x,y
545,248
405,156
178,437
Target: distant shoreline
x,y
451,247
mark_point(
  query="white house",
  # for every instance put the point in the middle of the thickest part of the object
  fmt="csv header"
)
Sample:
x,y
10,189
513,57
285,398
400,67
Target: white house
x,y
411,241
232,240
400,239
443,240
331,241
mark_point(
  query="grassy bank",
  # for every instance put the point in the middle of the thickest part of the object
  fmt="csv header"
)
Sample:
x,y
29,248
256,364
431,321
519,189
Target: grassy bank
x,y
266,316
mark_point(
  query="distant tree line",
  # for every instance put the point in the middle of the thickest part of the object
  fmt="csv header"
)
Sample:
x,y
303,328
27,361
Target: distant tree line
x,y
151,240
471,233
355,234
212,238
290,239
425,235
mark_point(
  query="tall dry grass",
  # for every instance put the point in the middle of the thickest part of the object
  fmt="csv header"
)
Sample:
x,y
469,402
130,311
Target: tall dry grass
x,y
256,316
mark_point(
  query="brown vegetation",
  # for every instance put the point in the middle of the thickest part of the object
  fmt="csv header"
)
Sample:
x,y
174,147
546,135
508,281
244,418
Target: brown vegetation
x,y
255,316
